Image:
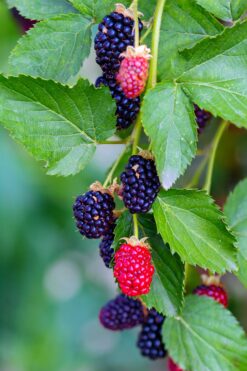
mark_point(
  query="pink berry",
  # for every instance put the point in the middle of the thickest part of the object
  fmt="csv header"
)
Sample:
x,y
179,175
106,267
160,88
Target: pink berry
x,y
172,366
213,291
133,268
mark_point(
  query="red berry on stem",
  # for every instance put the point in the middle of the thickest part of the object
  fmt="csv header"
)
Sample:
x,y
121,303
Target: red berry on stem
x,y
213,288
133,72
133,267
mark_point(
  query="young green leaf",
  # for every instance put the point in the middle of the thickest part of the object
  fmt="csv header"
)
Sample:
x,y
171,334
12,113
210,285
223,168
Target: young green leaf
x,y
123,229
226,10
55,123
214,74
205,337
184,24
166,294
41,9
169,120
97,9
53,49
236,212
194,228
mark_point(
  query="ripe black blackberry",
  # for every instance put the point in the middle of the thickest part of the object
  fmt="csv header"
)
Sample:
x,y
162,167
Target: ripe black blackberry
x,y
202,117
140,184
121,313
106,251
150,339
116,32
93,212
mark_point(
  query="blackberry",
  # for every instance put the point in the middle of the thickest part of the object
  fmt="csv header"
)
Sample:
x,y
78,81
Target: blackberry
x,y
93,212
140,184
150,340
202,117
115,33
106,251
121,313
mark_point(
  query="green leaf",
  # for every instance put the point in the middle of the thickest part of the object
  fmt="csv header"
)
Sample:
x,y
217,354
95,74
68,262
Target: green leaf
x,y
97,9
9,34
169,120
236,212
194,228
166,294
53,49
41,9
224,9
214,74
205,337
55,123
183,25
123,229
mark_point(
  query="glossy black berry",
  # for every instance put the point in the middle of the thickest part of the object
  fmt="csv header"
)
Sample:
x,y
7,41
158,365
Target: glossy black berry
x,y
150,339
202,117
106,251
93,212
140,184
121,313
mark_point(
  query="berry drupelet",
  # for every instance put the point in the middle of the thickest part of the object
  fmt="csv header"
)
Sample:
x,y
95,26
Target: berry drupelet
x,y
121,313
202,117
172,366
140,184
133,267
213,291
93,212
150,339
106,251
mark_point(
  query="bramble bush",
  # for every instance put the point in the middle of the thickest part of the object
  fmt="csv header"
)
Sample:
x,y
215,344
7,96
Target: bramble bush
x,y
167,67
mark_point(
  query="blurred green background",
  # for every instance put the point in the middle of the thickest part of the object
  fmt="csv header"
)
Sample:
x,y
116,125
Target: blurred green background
x,y
53,282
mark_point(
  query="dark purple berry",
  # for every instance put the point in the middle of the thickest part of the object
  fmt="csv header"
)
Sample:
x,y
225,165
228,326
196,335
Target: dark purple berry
x,y
202,117
150,339
116,32
140,184
106,251
93,212
121,313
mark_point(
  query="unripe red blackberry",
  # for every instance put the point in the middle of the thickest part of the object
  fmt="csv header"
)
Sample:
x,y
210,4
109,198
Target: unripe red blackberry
x,y
133,267
93,212
202,117
133,72
212,288
172,366
140,184
121,313
150,340
106,251
115,33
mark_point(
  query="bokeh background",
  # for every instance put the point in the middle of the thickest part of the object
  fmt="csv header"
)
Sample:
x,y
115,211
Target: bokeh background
x,y
52,282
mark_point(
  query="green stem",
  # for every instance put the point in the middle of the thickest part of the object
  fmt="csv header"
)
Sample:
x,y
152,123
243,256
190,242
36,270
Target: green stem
x,y
223,126
111,172
155,43
135,6
137,134
147,32
194,181
135,221
124,141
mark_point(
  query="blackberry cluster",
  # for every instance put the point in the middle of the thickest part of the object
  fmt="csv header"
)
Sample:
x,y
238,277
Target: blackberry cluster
x,y
121,313
202,117
93,212
150,340
140,184
106,251
115,33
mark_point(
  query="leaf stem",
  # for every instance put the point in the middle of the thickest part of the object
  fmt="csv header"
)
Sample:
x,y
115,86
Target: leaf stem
x,y
223,126
155,43
124,141
135,221
137,134
147,32
135,7
115,165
